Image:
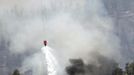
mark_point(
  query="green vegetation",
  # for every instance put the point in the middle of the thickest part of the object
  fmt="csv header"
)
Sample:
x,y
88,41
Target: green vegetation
x,y
129,70
77,67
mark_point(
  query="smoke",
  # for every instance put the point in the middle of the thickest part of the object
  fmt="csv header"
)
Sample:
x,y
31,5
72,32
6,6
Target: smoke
x,y
102,66
75,29
34,64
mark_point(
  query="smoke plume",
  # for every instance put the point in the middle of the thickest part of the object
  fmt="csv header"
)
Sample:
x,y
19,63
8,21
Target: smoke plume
x,y
74,29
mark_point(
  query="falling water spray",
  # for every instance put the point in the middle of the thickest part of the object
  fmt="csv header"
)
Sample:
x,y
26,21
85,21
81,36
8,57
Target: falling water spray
x,y
51,62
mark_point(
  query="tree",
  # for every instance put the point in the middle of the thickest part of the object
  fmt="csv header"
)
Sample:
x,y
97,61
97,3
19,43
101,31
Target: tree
x,y
117,71
76,67
16,72
130,68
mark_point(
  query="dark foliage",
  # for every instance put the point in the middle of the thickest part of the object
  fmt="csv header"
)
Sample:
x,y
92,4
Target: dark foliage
x,y
16,72
77,66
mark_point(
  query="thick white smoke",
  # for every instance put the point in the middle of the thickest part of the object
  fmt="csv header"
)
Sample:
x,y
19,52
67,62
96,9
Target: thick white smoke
x,y
75,28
